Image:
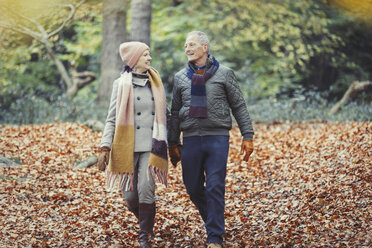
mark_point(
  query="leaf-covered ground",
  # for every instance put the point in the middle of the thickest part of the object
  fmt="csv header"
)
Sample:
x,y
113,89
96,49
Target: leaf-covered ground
x,y
306,185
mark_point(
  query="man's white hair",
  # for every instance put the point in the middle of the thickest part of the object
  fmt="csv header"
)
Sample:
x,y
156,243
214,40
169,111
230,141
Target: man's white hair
x,y
202,38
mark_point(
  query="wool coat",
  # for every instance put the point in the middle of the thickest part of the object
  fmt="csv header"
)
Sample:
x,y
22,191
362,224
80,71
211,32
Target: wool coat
x,y
144,111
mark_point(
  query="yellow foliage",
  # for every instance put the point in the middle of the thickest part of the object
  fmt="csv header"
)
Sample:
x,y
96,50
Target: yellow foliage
x,y
361,9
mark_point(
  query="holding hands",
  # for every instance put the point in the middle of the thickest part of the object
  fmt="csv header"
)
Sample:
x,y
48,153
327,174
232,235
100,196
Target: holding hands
x,y
175,154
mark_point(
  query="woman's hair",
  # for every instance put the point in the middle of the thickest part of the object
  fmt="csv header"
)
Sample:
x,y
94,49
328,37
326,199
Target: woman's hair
x,y
202,37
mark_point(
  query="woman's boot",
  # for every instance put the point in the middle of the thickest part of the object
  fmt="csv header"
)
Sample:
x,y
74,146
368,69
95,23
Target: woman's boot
x,y
133,207
146,221
131,200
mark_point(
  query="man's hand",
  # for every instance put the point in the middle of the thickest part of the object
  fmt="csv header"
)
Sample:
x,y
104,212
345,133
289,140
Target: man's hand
x,y
175,154
247,147
103,158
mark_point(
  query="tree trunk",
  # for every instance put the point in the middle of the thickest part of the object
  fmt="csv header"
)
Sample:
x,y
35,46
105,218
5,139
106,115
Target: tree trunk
x,y
89,162
141,21
113,34
354,88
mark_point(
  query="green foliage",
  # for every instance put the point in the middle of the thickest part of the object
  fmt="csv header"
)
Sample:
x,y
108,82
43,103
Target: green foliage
x,y
273,45
37,78
31,109
84,48
170,25
284,53
30,85
310,106
30,14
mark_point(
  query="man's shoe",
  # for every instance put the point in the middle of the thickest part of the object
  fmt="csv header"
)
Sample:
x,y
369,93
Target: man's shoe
x,y
214,245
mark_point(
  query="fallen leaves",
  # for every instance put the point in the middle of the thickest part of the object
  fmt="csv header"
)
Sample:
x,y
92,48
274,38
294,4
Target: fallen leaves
x,y
306,185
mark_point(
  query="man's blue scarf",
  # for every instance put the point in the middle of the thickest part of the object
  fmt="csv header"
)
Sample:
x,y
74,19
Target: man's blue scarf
x,y
198,105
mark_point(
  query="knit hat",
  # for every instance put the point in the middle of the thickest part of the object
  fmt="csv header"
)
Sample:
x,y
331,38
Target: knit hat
x,y
130,52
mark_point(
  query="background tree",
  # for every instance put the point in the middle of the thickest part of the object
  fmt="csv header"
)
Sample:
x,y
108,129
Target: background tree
x,y
37,27
113,33
290,56
140,25
276,47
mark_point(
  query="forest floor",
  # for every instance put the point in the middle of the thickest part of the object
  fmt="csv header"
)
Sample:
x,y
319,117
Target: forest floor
x,y
307,184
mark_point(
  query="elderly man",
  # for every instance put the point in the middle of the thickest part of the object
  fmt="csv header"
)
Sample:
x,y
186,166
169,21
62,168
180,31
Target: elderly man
x,y
203,94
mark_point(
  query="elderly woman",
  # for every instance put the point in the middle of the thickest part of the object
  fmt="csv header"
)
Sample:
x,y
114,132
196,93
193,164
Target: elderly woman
x,y
133,145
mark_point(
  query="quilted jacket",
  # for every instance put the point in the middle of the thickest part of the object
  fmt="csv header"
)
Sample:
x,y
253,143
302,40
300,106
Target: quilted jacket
x,y
223,95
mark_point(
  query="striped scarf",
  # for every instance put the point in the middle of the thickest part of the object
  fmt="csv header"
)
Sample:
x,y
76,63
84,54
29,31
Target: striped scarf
x,y
198,104
120,169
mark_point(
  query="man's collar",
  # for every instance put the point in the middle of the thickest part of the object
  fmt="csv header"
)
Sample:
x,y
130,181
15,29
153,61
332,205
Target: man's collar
x,y
199,68
208,64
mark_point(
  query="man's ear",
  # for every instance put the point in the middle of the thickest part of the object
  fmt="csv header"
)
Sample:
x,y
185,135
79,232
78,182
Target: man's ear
x,y
205,47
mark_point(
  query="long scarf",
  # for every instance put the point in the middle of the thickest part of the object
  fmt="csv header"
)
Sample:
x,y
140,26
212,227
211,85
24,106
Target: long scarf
x,y
120,169
198,104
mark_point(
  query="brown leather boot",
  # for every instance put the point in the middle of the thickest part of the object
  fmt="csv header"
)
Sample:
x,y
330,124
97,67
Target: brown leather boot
x,y
133,206
146,221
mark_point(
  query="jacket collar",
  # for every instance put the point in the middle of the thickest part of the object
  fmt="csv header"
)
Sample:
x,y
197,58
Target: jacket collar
x,y
140,79
209,63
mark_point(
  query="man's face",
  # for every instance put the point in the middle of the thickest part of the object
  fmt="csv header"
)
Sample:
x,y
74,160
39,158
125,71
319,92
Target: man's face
x,y
194,50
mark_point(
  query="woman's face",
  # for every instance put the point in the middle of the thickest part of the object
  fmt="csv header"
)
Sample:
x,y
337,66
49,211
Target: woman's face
x,y
144,63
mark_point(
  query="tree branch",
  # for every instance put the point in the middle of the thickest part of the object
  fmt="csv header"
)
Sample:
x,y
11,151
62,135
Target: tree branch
x,y
79,80
71,15
22,30
18,15
354,88
84,78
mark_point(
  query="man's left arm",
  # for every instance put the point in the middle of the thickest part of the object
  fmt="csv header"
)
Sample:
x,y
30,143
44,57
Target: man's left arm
x,y
240,112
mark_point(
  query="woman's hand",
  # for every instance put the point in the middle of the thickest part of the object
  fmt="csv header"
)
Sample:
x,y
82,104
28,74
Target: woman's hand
x,y
103,158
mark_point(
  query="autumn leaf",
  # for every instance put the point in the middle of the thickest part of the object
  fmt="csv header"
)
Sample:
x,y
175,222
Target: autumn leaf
x,y
307,184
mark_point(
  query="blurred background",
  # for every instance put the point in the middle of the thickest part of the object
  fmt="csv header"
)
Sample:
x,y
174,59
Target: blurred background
x,y
295,60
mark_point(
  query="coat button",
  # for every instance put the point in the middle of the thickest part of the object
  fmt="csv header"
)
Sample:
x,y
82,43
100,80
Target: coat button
x,y
139,113
138,127
138,98
153,113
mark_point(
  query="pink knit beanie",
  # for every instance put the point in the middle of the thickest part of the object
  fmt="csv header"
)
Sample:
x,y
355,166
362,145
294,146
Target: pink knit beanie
x,y
130,52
